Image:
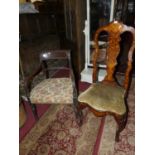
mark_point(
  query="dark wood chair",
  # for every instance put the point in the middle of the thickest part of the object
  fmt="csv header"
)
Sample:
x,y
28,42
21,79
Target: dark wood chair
x,y
58,85
108,97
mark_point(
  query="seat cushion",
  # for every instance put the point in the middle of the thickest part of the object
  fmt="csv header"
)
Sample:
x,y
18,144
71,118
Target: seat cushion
x,y
53,90
104,97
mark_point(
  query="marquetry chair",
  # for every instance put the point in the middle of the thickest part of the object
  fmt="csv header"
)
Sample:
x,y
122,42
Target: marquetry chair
x,y
56,87
108,97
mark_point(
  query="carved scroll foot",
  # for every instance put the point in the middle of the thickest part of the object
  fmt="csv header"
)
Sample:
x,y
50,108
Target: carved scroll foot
x,y
121,122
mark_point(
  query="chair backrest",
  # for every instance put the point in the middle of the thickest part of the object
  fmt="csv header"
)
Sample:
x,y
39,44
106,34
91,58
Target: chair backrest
x,y
53,55
114,30
59,55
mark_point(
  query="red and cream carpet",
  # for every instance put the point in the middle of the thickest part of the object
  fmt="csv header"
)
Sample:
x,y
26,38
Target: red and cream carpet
x,y
57,133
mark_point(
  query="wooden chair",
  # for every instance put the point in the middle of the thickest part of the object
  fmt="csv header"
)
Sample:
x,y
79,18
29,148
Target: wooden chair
x,y
107,97
54,89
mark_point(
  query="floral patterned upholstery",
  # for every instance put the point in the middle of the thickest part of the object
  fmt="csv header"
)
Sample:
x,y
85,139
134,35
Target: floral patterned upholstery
x,y
53,90
104,97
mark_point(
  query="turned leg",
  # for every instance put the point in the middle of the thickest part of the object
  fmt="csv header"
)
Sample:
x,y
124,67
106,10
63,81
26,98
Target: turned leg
x,y
34,110
121,122
35,113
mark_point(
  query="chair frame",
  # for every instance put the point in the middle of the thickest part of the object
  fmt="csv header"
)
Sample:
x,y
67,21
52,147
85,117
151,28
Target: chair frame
x,y
54,55
114,29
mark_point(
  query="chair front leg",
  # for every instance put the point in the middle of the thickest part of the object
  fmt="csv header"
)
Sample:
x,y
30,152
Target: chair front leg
x,y
34,110
121,122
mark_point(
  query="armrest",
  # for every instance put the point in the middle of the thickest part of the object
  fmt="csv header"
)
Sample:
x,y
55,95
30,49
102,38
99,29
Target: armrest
x,y
28,80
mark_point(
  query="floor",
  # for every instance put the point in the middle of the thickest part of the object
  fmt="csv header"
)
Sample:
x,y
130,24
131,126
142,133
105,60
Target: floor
x,y
106,143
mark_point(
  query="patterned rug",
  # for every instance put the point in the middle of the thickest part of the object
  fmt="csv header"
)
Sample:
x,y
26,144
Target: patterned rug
x,y
57,133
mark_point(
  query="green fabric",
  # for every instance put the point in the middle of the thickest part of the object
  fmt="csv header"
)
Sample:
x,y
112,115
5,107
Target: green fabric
x,y
104,97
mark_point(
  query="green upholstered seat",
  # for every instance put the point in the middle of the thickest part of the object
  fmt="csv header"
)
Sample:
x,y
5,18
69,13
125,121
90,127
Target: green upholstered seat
x,y
104,97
